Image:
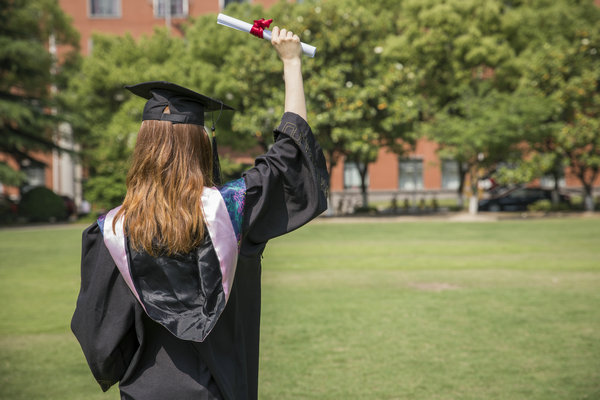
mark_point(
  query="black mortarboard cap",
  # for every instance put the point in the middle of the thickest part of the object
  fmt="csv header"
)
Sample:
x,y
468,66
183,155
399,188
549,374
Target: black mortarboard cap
x,y
185,105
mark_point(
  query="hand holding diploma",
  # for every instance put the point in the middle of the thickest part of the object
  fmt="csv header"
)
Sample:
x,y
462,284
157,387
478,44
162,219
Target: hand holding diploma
x,y
258,30
287,45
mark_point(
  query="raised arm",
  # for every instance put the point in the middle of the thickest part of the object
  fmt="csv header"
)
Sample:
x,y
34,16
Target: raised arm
x,y
288,47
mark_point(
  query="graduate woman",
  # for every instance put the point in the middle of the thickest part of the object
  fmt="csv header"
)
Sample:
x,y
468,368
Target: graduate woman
x,y
169,305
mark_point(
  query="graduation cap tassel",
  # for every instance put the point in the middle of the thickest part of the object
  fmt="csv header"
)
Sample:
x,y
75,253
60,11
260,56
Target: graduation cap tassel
x,y
217,181
216,163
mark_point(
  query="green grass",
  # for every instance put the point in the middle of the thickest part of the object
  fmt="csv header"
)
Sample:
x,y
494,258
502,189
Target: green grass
x,y
502,310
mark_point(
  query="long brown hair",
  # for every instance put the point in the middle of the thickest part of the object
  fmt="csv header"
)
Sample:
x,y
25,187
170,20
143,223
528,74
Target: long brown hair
x,y
162,210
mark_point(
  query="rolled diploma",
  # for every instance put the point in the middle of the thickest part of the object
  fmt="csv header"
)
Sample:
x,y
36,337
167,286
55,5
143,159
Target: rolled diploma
x,y
235,23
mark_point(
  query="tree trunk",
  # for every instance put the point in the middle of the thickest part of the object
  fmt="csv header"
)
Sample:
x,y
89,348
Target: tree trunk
x,y
362,169
460,201
462,174
588,198
473,200
473,205
587,181
555,191
332,163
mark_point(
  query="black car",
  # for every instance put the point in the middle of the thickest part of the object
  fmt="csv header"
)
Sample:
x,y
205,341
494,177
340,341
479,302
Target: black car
x,y
518,199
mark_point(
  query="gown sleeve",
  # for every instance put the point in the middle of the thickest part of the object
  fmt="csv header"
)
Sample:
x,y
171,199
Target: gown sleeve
x,y
287,187
105,316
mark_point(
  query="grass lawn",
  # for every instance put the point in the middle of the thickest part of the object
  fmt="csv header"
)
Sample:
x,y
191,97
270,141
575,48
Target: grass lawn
x,y
433,310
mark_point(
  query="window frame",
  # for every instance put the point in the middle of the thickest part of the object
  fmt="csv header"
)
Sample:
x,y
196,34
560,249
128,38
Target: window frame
x,y
419,184
118,6
223,3
548,181
445,168
184,14
35,173
350,167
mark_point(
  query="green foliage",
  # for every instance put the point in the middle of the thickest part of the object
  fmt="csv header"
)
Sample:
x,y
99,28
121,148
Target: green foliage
x,y
547,206
7,211
458,55
370,210
9,176
579,141
540,205
230,169
41,204
562,62
28,71
350,110
520,171
498,80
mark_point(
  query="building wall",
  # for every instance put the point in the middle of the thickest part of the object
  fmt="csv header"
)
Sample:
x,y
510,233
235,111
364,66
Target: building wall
x,y
136,17
383,177
384,173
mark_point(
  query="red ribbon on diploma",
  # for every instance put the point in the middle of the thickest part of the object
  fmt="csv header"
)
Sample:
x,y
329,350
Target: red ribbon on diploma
x,y
259,26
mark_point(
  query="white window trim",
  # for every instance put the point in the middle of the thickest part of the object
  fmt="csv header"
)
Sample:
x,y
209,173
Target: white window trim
x,y
119,13
222,4
445,183
186,10
354,171
419,184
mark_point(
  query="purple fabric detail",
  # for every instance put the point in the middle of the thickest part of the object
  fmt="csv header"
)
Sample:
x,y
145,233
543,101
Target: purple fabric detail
x,y
234,194
101,222
222,234
115,243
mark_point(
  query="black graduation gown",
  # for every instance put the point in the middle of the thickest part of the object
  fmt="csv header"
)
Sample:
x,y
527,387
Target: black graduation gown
x,y
285,189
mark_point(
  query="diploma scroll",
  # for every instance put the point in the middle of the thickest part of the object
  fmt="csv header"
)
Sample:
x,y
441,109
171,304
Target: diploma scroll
x,y
234,23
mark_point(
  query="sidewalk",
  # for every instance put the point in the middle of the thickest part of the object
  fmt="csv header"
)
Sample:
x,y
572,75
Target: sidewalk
x,y
457,217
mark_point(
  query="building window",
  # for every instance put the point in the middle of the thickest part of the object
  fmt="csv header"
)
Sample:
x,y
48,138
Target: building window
x,y
225,3
35,173
410,174
105,8
179,8
548,181
352,176
450,174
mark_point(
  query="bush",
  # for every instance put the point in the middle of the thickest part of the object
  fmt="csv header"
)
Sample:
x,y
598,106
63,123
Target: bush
x,y
41,204
8,212
540,205
366,210
547,206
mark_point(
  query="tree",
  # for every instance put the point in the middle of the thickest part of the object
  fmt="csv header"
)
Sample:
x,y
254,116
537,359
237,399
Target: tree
x,y
562,62
347,101
466,70
484,130
28,71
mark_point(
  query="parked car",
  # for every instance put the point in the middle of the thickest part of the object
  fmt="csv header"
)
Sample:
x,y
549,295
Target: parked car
x,y
518,199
